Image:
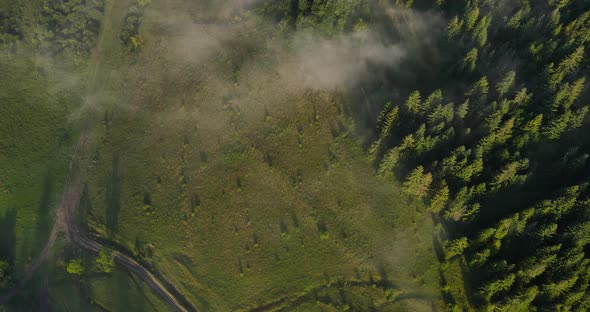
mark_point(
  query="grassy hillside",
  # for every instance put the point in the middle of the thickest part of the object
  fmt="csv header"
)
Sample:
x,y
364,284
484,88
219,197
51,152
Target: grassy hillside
x,y
33,157
246,191
44,101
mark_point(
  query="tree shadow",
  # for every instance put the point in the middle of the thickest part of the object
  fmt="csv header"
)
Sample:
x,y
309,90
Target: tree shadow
x,y
113,197
8,235
85,208
46,202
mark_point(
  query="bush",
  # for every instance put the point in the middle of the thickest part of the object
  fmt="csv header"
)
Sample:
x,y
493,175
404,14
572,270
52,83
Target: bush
x,y
75,267
105,261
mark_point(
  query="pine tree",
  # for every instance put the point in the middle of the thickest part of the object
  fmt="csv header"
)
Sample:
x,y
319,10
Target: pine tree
x,y
480,33
463,109
508,175
418,182
522,98
565,67
440,198
389,161
389,121
454,28
492,288
470,60
435,98
413,103
578,31
471,17
507,83
456,247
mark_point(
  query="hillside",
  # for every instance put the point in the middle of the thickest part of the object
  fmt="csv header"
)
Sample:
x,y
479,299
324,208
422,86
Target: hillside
x,y
301,155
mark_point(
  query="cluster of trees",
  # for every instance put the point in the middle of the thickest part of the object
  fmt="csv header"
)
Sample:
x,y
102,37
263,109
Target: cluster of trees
x,y
326,16
130,34
10,26
69,28
104,262
499,150
494,141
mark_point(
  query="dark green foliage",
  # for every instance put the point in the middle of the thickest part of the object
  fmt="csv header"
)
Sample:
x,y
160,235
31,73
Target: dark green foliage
x,y
105,261
10,26
5,275
130,33
514,208
69,28
328,17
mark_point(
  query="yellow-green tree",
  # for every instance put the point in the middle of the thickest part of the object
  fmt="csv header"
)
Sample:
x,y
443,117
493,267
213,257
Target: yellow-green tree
x,y
105,261
418,182
75,267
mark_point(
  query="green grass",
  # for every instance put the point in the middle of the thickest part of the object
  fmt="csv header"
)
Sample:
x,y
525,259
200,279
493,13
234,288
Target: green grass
x,y
454,286
243,192
34,150
272,232
95,291
41,106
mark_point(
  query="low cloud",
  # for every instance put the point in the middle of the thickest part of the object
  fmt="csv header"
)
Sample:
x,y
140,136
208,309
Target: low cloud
x,y
232,8
341,61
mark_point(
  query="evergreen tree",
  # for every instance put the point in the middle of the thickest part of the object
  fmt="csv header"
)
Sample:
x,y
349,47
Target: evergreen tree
x,y
418,182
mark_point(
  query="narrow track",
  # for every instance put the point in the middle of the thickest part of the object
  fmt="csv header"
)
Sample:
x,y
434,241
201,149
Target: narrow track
x,y
65,222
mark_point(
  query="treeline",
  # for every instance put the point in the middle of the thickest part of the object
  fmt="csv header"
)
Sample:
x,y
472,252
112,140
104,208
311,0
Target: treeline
x,y
130,33
10,29
67,29
496,143
326,16
502,159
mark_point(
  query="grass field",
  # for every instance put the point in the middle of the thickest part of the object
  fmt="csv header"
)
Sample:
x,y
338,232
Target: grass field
x,y
33,157
41,108
246,189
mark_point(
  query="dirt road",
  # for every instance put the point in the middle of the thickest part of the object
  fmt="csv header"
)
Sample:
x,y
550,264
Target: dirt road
x,y
65,222
72,191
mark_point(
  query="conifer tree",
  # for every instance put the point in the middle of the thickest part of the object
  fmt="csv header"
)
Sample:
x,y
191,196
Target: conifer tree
x,y
418,182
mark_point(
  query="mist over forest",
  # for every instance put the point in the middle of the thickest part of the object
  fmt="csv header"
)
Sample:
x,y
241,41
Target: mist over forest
x,y
294,155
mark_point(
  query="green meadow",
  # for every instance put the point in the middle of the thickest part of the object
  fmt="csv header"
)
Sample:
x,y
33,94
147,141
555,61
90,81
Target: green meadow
x,y
246,190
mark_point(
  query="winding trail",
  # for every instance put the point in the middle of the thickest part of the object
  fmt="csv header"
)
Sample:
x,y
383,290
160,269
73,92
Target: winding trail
x,y
69,193
65,222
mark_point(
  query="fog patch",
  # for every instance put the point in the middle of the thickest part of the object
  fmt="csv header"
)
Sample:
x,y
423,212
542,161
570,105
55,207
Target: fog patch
x,y
341,61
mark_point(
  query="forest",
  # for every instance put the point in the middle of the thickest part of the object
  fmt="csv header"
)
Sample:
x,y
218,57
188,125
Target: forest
x,y
462,124
500,152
